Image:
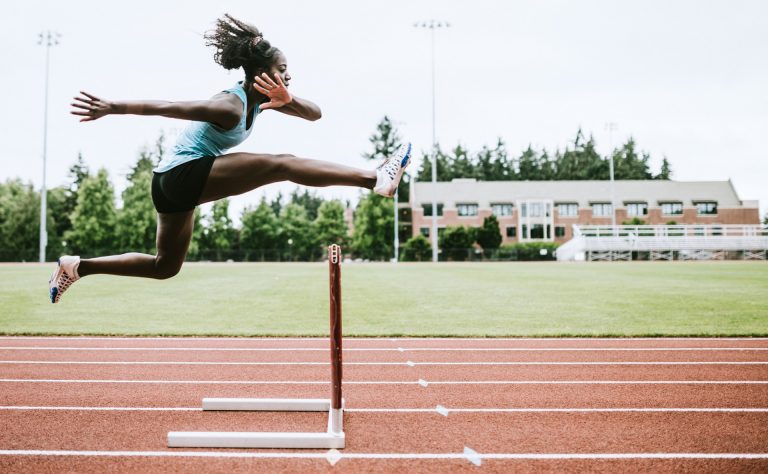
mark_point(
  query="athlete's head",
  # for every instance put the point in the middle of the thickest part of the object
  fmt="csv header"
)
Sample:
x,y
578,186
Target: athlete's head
x,y
241,45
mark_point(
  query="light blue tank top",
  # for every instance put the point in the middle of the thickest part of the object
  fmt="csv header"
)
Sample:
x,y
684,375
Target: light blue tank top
x,y
201,139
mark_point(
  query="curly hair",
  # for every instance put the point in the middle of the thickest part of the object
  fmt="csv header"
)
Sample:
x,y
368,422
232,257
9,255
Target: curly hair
x,y
240,45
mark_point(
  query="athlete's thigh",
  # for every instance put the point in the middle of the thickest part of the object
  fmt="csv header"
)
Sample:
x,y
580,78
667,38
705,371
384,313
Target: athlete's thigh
x,y
238,173
174,233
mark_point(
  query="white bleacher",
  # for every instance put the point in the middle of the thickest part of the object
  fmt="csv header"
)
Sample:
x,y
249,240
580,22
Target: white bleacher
x,y
663,242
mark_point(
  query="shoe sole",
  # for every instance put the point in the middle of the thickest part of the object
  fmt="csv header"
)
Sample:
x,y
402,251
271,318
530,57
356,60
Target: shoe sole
x,y
403,164
53,290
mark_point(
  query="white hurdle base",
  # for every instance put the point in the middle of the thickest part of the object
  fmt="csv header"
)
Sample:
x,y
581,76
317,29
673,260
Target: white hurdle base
x,y
332,438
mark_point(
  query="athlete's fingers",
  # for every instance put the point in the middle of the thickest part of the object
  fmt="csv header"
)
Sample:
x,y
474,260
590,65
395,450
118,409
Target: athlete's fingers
x,y
264,84
85,101
92,97
78,112
268,79
279,80
260,89
80,106
268,105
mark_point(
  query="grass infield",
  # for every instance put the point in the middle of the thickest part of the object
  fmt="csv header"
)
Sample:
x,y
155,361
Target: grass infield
x,y
453,299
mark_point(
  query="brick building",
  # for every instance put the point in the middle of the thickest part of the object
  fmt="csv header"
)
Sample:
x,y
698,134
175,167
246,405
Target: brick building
x,y
546,210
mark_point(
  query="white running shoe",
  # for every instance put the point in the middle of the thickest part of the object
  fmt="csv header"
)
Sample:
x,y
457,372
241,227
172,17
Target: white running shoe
x,y
388,174
63,277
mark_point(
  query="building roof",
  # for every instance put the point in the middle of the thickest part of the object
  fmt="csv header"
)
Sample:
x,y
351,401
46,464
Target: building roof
x,y
585,193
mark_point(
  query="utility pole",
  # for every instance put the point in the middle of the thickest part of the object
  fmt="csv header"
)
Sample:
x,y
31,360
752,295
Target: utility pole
x,y
47,39
611,126
432,25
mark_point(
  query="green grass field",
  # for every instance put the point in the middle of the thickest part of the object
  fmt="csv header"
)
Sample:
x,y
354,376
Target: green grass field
x,y
469,299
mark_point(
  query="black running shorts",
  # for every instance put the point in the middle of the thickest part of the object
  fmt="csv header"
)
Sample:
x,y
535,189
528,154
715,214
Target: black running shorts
x,y
179,188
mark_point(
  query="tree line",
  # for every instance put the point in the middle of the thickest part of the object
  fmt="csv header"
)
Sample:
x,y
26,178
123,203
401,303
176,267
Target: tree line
x,y
84,219
579,161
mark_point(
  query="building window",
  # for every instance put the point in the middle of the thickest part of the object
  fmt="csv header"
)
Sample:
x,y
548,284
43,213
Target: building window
x,y
636,209
559,231
524,235
602,209
706,208
512,231
466,210
568,209
537,231
428,210
535,209
424,231
672,208
501,209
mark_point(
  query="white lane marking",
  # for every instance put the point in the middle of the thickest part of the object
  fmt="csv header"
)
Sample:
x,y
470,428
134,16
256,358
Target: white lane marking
x,y
421,382
397,456
333,456
439,409
349,338
472,456
385,349
408,363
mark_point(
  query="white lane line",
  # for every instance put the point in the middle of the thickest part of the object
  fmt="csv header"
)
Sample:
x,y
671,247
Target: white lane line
x,y
472,456
396,456
400,382
385,349
352,339
408,363
439,409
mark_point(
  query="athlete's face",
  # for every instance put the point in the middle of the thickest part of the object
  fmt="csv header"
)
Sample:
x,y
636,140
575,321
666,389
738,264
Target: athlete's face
x,y
280,67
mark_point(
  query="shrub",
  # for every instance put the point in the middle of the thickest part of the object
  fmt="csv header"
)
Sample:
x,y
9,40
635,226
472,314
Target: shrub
x,y
416,249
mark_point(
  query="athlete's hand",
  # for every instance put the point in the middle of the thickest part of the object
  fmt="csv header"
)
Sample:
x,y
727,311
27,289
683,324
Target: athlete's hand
x,y
276,91
90,107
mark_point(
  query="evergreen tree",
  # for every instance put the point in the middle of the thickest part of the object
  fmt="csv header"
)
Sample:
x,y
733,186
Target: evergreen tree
x,y
330,226
528,165
627,164
444,170
77,174
417,249
219,237
460,164
385,141
277,204
309,201
489,235
94,217
19,221
373,231
58,222
137,220
296,234
666,170
259,234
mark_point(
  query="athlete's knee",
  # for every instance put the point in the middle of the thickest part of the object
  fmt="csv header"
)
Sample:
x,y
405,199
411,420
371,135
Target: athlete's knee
x,y
166,268
285,165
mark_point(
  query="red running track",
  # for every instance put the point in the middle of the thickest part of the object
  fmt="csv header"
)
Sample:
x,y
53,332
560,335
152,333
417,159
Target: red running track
x,y
422,405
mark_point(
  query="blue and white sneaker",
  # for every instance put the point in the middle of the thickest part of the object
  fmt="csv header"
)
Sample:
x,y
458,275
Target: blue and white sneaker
x,y
389,173
63,277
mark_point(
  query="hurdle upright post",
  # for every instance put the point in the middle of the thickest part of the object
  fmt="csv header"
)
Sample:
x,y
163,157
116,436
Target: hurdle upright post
x,y
334,271
333,437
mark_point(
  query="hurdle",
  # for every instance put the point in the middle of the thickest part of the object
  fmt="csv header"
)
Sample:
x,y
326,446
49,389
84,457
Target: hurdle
x,y
333,437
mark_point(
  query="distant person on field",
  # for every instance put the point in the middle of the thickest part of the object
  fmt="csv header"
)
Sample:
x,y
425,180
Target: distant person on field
x,y
200,170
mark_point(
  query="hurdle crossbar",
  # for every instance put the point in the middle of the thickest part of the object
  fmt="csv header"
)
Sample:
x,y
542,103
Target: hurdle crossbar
x,y
333,437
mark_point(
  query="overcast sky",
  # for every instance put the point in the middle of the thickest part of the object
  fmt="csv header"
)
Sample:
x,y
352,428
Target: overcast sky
x,y
687,79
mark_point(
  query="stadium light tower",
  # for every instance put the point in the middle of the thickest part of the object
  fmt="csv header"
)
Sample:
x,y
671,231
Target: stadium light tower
x,y
433,25
47,39
611,127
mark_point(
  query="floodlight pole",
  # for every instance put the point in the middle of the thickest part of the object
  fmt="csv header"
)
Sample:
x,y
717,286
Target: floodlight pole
x,y
611,126
47,39
432,25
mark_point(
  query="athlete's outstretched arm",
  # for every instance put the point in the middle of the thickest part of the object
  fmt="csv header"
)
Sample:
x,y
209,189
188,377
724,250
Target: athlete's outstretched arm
x,y
220,112
282,100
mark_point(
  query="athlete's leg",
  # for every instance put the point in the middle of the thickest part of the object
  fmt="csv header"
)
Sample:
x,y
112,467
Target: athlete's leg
x,y
237,173
174,232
